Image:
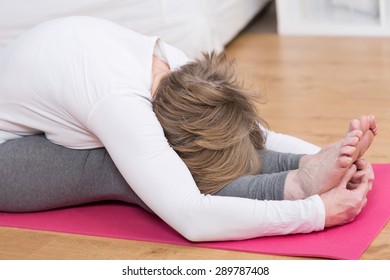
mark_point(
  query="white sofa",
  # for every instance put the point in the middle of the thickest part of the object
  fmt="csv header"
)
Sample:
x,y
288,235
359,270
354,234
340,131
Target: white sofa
x,y
192,26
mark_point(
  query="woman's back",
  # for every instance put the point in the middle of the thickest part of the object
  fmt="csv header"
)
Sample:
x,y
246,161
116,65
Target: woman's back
x,y
52,77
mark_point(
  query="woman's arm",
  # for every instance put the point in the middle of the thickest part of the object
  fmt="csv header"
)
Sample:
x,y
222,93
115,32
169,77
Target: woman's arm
x,y
128,128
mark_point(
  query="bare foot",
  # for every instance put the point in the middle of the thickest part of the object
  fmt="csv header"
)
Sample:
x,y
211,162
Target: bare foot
x,y
368,125
321,172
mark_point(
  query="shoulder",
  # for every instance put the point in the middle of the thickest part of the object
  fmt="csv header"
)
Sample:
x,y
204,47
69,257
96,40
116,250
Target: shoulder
x,y
174,56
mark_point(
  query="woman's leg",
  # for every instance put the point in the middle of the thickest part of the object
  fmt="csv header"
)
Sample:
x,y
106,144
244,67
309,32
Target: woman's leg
x,y
275,162
36,175
269,185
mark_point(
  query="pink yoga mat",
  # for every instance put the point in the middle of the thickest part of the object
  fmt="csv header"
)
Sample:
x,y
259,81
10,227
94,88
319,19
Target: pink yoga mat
x,y
119,220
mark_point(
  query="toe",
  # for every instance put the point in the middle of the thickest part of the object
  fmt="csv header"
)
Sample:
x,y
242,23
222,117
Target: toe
x,y
344,161
354,125
364,123
348,151
354,133
351,141
373,124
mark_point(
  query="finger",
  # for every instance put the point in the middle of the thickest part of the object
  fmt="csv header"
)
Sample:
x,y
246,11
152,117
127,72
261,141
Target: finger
x,y
361,163
355,182
357,177
364,202
363,188
348,176
370,171
366,169
369,185
351,186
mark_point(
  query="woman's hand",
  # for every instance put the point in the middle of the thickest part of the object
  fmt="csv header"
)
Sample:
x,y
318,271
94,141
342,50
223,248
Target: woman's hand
x,y
364,168
343,203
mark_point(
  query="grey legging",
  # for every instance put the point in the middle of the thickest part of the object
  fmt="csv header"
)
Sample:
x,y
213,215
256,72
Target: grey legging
x,y
36,175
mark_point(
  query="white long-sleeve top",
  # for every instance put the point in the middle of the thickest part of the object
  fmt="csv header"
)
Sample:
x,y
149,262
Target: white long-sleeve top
x,y
86,83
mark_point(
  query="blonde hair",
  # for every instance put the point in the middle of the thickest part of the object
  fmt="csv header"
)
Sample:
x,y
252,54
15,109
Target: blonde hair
x,y
210,121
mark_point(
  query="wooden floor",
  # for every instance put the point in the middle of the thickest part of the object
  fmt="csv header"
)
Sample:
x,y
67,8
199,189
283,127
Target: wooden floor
x,y
313,87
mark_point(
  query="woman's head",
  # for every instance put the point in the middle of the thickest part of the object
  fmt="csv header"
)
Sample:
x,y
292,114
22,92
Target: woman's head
x,y
210,121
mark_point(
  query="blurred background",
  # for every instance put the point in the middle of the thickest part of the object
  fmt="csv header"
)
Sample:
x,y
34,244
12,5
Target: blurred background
x,y
203,25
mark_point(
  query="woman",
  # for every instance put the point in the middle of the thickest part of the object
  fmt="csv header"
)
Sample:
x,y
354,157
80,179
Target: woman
x,y
86,83
210,121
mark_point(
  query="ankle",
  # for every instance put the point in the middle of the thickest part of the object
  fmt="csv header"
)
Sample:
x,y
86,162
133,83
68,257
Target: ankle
x,y
303,160
293,187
